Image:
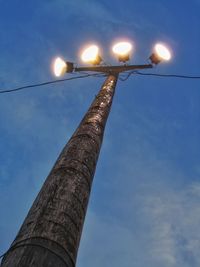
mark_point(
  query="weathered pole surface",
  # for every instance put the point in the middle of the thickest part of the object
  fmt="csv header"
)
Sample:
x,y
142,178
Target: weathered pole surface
x,y
50,234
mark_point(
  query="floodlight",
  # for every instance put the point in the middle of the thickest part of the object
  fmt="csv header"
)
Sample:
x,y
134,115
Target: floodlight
x,y
91,55
122,50
161,53
61,67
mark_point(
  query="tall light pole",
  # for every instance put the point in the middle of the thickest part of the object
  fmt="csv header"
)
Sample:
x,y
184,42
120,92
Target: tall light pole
x,y
51,232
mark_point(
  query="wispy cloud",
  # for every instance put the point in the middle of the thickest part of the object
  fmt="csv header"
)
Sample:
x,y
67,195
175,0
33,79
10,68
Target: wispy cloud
x,y
162,230
174,218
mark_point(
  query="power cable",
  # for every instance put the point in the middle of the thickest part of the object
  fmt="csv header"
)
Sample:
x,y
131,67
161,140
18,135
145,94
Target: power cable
x,y
121,78
159,75
47,83
127,75
169,75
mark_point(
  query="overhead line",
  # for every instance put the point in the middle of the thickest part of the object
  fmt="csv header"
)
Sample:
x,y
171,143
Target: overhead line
x,y
46,83
122,78
169,75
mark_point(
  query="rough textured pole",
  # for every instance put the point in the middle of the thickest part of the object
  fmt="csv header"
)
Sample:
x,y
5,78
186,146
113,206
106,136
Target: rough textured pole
x,y
50,234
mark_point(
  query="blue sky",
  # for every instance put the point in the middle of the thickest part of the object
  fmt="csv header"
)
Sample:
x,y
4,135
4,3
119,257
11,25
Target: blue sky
x,y
145,204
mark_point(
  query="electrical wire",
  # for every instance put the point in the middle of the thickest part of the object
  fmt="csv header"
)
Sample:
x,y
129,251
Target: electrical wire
x,y
98,74
49,82
158,75
127,75
122,77
169,75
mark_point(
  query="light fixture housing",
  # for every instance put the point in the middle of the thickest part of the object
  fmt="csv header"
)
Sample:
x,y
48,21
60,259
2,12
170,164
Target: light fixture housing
x,y
60,67
91,55
161,53
122,50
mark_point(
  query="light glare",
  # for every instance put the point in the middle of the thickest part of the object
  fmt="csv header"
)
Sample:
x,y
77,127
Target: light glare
x,y
60,67
122,48
162,51
90,54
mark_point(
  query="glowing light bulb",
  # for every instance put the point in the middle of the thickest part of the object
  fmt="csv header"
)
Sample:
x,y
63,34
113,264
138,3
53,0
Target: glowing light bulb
x,y
91,55
60,67
122,48
162,52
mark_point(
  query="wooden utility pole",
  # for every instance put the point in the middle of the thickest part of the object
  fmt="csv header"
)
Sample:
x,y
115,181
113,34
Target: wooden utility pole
x,y
50,234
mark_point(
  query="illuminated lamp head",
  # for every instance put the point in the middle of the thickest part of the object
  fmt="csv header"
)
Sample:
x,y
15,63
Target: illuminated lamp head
x,y
91,55
60,67
161,53
122,50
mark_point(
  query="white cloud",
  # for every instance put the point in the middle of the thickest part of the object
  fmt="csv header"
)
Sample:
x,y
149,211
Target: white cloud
x,y
174,218
165,232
